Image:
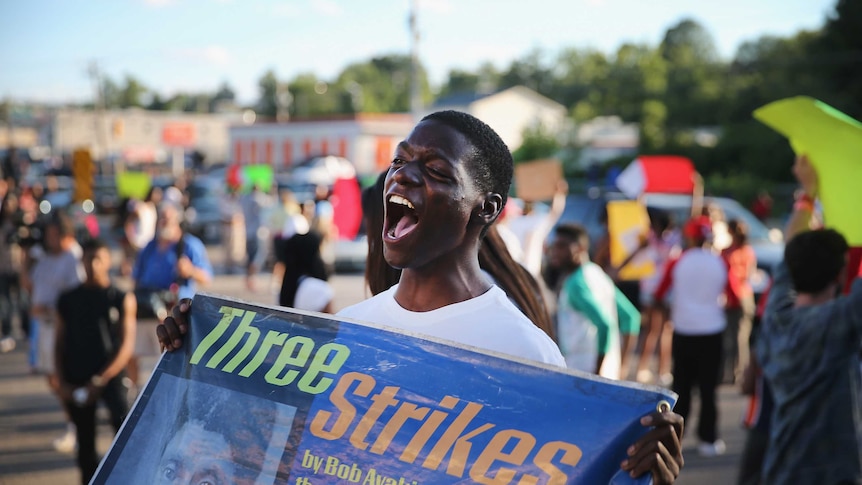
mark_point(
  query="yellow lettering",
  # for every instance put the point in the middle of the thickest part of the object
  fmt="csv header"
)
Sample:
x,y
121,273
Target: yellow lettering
x,y
494,452
405,411
545,457
382,401
420,439
347,411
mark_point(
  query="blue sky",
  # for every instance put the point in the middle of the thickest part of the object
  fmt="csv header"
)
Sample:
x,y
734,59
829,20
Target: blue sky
x,y
195,45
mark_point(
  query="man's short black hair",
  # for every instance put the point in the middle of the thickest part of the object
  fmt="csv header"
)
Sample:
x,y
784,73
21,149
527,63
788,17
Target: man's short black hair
x,y
92,245
491,164
815,259
64,224
575,232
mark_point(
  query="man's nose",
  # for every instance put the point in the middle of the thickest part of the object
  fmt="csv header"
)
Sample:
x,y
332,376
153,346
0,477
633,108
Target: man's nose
x,y
408,174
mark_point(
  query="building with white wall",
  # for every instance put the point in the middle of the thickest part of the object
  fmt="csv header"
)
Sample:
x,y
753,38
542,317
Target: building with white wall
x,y
509,112
137,135
366,139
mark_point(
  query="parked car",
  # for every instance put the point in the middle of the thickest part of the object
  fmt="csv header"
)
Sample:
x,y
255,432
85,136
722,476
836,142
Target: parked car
x,y
203,216
107,199
588,209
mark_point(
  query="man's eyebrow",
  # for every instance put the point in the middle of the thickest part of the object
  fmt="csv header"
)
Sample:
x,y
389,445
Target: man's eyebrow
x,y
406,147
433,151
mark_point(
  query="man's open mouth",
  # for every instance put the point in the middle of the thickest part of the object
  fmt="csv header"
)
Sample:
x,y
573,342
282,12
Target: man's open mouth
x,y
401,217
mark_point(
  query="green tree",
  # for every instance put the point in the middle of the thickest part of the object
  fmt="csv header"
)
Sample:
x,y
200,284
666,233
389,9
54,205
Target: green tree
x,y
460,81
578,82
840,54
313,97
529,71
693,76
268,102
537,142
223,97
383,84
131,93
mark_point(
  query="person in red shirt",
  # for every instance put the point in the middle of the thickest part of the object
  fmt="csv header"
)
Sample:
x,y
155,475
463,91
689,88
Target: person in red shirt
x,y
739,308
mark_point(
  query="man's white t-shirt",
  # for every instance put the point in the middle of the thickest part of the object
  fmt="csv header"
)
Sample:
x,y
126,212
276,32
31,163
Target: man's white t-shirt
x,y
489,321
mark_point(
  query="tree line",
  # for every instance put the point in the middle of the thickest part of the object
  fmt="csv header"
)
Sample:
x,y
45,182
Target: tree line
x,y
670,90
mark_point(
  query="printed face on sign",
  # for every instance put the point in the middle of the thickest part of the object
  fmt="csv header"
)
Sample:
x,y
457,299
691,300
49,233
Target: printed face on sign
x,y
196,456
429,196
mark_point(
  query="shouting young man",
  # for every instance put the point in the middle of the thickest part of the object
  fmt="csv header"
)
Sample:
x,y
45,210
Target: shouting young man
x,y
447,184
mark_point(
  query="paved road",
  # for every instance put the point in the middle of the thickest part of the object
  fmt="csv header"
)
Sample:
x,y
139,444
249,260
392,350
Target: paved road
x,y
30,417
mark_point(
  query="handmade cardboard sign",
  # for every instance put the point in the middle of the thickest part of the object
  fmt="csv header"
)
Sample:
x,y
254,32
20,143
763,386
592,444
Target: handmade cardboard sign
x,y
538,180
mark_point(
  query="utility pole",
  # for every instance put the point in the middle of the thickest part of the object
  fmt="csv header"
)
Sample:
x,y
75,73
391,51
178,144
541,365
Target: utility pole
x,y
101,143
415,87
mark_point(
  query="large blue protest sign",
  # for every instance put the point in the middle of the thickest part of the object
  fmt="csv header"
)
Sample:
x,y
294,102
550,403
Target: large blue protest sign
x,y
263,395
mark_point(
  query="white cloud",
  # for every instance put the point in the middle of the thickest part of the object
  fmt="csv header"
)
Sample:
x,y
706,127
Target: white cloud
x,y
327,7
286,10
436,6
213,54
159,3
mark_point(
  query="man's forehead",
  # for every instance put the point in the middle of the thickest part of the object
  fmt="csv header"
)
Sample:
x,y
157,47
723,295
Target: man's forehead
x,y
431,135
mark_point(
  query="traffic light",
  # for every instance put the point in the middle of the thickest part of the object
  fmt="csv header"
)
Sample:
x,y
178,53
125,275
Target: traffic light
x,y
83,171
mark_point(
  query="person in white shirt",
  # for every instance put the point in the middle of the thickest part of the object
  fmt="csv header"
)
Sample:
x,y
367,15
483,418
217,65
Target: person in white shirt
x,y
54,267
698,279
446,185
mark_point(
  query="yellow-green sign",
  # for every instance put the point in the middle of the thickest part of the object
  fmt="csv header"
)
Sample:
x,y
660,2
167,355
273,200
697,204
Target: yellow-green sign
x,y
133,184
833,143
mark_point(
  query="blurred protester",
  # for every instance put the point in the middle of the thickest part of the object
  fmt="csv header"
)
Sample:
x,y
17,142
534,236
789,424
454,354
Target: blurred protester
x,y
514,246
808,348
531,228
323,223
11,259
304,283
285,222
494,259
11,169
762,206
170,267
602,257
253,204
139,226
757,417
233,231
698,279
739,307
95,340
663,245
52,268
591,311
721,237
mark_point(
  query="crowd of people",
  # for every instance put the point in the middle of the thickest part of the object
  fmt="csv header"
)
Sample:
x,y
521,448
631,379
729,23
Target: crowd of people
x,y
442,251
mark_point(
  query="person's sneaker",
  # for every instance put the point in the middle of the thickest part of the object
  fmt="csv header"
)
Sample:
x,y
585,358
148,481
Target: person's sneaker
x,y
66,443
644,376
715,448
665,380
7,344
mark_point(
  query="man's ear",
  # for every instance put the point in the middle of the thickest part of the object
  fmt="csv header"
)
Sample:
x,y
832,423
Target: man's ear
x,y
491,208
